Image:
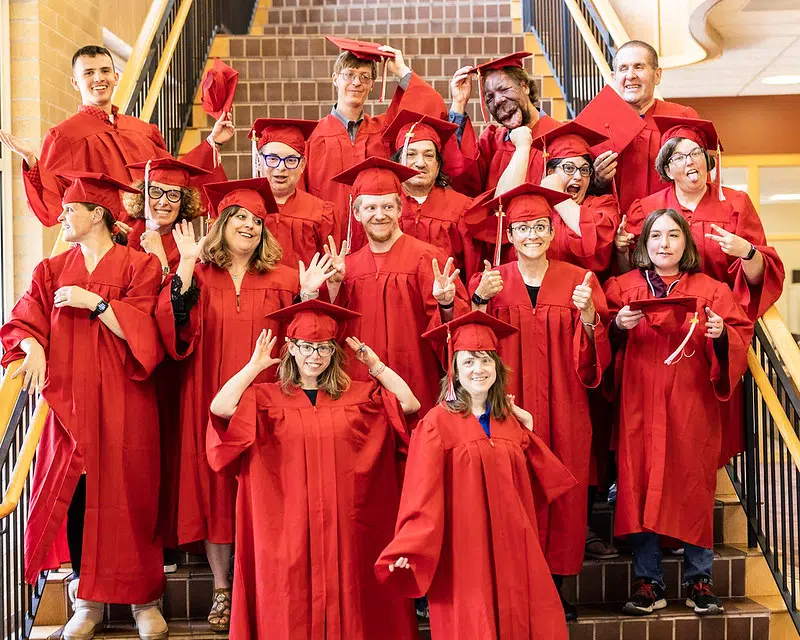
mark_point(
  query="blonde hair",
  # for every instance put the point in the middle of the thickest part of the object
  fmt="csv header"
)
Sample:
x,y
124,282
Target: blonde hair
x,y
265,256
347,60
191,203
499,406
333,381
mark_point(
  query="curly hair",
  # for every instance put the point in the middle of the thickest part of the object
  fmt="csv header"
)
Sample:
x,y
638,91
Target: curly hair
x,y
333,381
265,256
191,203
499,405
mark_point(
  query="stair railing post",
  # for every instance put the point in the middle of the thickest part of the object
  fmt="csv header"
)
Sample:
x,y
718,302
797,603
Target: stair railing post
x,y
750,470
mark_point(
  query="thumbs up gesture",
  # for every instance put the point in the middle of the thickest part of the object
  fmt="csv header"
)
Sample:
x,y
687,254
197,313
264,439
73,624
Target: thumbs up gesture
x,y
715,326
491,282
582,299
623,240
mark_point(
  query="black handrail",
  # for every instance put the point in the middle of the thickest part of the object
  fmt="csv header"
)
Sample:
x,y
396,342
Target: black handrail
x,y
566,50
19,601
205,19
765,476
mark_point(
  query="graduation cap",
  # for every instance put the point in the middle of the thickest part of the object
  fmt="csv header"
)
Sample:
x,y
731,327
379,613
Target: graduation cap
x,y
568,140
411,126
366,51
609,114
166,171
473,331
498,64
703,132
94,188
526,202
289,131
666,316
219,85
313,320
253,194
374,176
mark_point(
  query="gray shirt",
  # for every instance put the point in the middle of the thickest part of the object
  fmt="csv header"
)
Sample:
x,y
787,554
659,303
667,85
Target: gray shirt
x,y
352,125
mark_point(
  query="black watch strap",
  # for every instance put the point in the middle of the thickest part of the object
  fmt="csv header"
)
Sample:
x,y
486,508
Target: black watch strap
x,y
478,300
752,252
101,306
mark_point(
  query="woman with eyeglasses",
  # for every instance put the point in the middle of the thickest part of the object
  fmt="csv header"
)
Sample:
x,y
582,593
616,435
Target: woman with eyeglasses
x,y
209,314
560,351
318,458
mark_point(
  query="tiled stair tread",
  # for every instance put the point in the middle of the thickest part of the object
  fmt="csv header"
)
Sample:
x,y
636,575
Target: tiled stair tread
x,y
192,628
674,609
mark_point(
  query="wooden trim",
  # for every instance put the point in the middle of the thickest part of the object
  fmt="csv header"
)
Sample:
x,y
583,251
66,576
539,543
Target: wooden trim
x,y
166,58
784,343
611,21
762,160
589,39
7,162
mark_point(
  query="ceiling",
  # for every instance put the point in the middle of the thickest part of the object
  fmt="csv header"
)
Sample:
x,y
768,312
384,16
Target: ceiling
x,y
760,38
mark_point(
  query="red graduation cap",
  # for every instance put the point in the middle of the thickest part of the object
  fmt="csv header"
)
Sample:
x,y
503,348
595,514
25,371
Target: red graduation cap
x,y
219,85
367,51
528,201
411,126
374,176
313,320
703,132
609,114
503,62
289,131
253,194
567,141
94,188
666,316
168,171
473,331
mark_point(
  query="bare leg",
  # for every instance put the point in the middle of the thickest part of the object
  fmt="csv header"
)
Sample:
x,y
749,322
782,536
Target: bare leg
x,y
219,557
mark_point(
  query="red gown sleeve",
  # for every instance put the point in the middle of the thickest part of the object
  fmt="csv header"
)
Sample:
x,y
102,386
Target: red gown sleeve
x,y
418,96
44,197
226,440
328,225
178,341
464,164
550,478
592,356
420,521
634,218
728,367
397,420
599,220
30,317
135,314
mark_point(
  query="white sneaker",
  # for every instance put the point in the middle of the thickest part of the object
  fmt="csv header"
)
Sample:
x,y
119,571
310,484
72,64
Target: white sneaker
x,y
170,568
87,619
149,621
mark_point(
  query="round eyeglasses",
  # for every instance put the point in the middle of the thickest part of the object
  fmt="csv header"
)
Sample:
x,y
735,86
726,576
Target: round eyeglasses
x,y
306,349
679,159
350,77
569,168
273,161
173,195
523,230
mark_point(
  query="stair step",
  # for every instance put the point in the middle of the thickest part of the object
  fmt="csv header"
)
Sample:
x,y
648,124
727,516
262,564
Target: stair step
x,y
359,12
313,4
124,631
356,29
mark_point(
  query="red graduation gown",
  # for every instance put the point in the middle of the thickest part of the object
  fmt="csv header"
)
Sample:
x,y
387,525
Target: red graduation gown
x,y
103,421
476,166
85,143
214,345
317,501
329,150
397,306
670,430
636,167
302,227
552,363
467,524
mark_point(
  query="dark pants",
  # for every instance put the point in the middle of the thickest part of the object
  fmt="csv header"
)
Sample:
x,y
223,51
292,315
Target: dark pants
x,y
75,516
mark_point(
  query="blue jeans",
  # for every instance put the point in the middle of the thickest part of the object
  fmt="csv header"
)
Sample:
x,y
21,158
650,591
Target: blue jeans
x,y
697,561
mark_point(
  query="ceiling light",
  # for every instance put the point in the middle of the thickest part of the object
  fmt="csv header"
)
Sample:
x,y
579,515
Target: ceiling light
x,y
785,197
781,80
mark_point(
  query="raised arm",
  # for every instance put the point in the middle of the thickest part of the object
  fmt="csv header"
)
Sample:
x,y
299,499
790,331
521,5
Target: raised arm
x,y
388,378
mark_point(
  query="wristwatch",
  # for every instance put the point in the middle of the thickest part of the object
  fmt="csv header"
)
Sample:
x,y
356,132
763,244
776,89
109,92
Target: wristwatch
x,y
478,300
100,308
751,253
165,270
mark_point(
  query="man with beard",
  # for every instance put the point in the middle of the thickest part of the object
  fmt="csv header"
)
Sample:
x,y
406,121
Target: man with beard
x,y
394,281
635,76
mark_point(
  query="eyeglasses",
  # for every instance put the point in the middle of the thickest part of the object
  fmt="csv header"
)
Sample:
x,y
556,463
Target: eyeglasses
x,y
680,158
173,195
523,230
570,169
274,161
306,349
350,77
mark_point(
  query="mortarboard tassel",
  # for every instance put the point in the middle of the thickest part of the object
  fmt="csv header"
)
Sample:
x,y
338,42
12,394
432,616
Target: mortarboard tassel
x,y
673,358
482,101
147,215
719,174
408,137
256,161
545,156
383,81
450,396
349,223
499,239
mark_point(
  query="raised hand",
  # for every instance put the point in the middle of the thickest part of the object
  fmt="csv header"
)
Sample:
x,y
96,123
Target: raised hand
x,y
364,354
582,299
444,282
491,282
400,563
396,66
715,326
151,242
521,137
627,319
223,129
337,259
524,417
121,227
730,243
189,248
623,240
557,181
75,297
314,276
33,367
461,88
605,168
262,353
20,147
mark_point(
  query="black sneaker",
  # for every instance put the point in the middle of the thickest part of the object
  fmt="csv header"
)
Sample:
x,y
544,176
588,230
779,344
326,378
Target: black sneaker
x,y
647,597
570,610
702,599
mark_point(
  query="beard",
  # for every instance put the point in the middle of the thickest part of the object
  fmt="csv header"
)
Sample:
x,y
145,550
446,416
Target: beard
x,y
382,235
512,114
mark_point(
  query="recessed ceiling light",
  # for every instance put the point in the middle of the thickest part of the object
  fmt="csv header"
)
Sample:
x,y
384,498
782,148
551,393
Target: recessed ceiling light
x,y
785,197
781,80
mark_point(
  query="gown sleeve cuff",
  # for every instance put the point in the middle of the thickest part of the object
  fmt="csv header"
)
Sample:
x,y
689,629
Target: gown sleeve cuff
x,y
182,303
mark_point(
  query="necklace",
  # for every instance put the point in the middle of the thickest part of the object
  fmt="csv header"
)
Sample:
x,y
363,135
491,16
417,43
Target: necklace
x,y
236,276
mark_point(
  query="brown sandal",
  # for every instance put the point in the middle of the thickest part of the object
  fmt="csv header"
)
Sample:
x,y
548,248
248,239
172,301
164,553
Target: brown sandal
x,y
219,618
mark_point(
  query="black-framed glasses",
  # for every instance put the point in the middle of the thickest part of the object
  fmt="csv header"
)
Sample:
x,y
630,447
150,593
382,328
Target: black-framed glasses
x,y
524,230
306,349
273,161
680,158
570,168
173,195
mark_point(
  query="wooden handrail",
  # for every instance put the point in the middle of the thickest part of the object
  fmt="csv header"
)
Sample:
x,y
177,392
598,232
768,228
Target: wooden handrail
x,y
611,22
784,343
160,74
133,68
589,39
9,392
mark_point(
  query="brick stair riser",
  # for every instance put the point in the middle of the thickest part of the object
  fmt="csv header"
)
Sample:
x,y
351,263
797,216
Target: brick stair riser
x,y
361,13
335,4
360,30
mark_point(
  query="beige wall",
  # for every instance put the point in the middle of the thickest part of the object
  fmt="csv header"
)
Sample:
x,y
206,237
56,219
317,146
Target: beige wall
x,y
124,19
